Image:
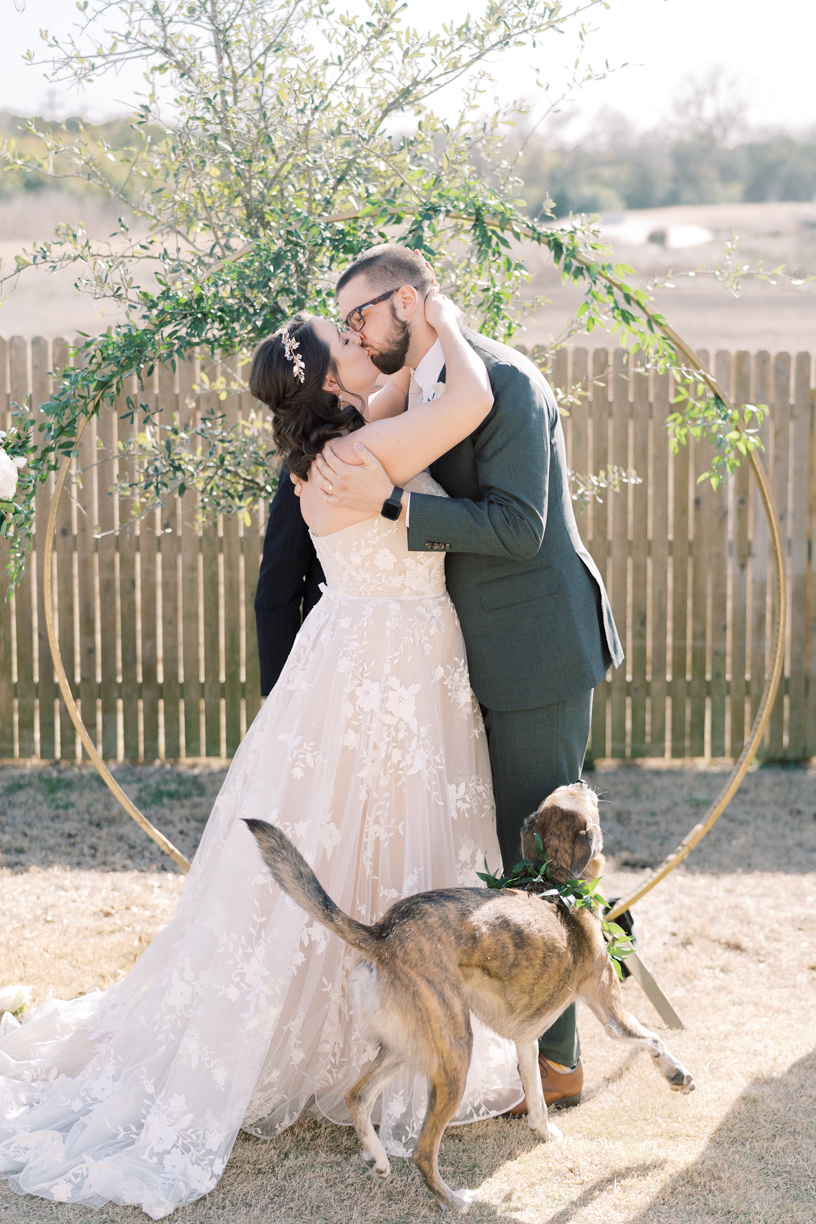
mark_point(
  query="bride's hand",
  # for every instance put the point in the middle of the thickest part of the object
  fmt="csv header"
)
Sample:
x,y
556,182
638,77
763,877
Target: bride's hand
x,y
440,310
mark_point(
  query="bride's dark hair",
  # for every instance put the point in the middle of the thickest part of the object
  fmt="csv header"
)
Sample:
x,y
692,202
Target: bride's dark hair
x,y
305,416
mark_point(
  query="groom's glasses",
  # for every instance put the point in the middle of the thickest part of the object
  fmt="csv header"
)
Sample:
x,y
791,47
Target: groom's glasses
x,y
354,320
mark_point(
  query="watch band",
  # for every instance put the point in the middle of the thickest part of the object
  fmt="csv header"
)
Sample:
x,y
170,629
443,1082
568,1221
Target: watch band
x,y
392,505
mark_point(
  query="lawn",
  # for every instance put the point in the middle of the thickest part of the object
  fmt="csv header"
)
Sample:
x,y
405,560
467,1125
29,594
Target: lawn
x,y
731,937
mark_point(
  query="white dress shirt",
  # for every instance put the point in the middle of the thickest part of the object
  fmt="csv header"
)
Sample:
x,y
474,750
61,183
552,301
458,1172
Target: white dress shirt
x,y
426,375
423,378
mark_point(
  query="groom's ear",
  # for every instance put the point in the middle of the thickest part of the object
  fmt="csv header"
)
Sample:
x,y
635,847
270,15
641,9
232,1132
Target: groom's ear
x,y
406,303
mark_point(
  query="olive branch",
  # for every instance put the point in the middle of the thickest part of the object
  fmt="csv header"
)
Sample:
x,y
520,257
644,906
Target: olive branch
x,y
536,877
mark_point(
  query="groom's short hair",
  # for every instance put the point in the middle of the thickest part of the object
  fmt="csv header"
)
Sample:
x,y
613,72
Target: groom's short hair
x,y
389,266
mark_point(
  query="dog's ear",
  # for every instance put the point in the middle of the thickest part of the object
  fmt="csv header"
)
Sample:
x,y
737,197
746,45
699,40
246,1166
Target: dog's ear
x,y
536,826
555,827
587,846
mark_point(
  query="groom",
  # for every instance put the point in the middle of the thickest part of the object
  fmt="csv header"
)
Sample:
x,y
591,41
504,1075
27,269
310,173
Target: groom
x,y
535,617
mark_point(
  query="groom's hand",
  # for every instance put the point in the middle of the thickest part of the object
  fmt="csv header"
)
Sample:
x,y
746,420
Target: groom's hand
x,y
361,486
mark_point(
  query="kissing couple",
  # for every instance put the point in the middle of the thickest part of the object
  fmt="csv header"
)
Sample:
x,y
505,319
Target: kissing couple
x,y
437,690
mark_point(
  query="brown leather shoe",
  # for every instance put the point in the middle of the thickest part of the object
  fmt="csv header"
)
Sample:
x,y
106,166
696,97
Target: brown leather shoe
x,y
561,1088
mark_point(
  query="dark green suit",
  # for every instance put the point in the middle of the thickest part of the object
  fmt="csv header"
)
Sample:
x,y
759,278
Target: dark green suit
x,y
534,612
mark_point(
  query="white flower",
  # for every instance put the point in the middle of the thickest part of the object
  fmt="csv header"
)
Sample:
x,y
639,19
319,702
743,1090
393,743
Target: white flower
x,y
368,695
331,837
12,998
61,1190
401,703
384,559
174,1162
436,391
8,476
317,934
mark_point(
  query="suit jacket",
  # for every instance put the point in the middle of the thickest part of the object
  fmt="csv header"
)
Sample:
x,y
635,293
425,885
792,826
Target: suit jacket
x,y
533,608
288,584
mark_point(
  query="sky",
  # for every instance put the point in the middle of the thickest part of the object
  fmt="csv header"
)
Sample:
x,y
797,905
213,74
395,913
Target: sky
x,y
766,49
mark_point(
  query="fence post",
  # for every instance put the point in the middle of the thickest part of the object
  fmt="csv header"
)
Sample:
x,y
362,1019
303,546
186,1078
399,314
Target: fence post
x,y
760,550
718,590
169,555
779,475
598,519
639,532
658,476
799,562
107,518
23,596
741,549
6,606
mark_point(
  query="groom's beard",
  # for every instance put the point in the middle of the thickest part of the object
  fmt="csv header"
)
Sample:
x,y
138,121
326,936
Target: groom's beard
x,y
391,358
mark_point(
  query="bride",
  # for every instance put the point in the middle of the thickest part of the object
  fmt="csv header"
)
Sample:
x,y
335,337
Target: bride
x,y
370,753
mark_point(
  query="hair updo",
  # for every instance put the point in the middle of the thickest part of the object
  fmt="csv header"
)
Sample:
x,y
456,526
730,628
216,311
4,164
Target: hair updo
x,y
305,416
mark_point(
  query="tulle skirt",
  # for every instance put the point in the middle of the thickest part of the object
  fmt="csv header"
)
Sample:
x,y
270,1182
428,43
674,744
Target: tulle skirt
x,y
371,754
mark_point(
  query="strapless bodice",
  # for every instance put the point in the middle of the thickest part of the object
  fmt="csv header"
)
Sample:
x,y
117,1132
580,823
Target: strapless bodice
x,y
371,559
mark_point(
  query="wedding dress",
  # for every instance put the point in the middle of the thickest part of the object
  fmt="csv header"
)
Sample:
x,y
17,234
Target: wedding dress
x,y
370,752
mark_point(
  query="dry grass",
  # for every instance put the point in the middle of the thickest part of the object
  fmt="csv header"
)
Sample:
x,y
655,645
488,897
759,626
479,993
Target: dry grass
x,y
731,939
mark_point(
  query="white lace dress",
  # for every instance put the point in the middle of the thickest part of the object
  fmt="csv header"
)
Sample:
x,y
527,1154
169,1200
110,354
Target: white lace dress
x,y
370,752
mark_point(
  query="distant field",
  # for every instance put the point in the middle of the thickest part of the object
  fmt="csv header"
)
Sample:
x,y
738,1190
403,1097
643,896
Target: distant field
x,y
777,318
780,318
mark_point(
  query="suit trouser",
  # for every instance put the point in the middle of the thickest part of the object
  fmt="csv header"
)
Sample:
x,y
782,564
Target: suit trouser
x,y
531,753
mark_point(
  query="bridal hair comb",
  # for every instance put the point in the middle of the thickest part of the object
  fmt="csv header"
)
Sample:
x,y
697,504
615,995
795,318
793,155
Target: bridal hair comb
x,y
290,347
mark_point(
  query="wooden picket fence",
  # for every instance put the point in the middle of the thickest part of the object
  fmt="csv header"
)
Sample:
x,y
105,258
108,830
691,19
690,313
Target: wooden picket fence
x,y
688,568
156,623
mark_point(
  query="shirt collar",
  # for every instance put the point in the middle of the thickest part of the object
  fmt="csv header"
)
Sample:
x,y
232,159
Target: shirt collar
x,y
430,367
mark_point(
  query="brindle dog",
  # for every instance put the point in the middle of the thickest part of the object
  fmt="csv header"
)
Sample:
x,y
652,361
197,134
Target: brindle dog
x,y
514,959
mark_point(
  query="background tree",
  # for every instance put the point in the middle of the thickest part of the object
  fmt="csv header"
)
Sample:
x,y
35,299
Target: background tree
x,y
275,141
703,152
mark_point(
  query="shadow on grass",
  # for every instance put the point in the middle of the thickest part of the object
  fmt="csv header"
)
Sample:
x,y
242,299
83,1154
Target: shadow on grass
x,y
758,1167
609,1182
314,1173
620,1072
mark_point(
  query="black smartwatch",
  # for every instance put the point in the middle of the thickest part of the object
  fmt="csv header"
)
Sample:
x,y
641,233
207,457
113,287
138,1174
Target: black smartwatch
x,y
392,505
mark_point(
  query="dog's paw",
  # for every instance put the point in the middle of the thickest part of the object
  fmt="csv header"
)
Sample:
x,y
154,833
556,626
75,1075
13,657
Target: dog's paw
x,y
547,1133
378,1166
464,1198
682,1081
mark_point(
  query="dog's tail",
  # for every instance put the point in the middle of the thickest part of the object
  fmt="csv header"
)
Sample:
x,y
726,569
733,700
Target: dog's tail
x,y
294,875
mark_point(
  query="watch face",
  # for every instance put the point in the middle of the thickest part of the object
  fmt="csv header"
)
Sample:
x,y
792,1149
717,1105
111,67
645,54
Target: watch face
x,y
391,510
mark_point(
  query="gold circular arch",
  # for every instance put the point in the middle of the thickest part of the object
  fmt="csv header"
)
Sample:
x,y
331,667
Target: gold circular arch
x,y
76,718
763,714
